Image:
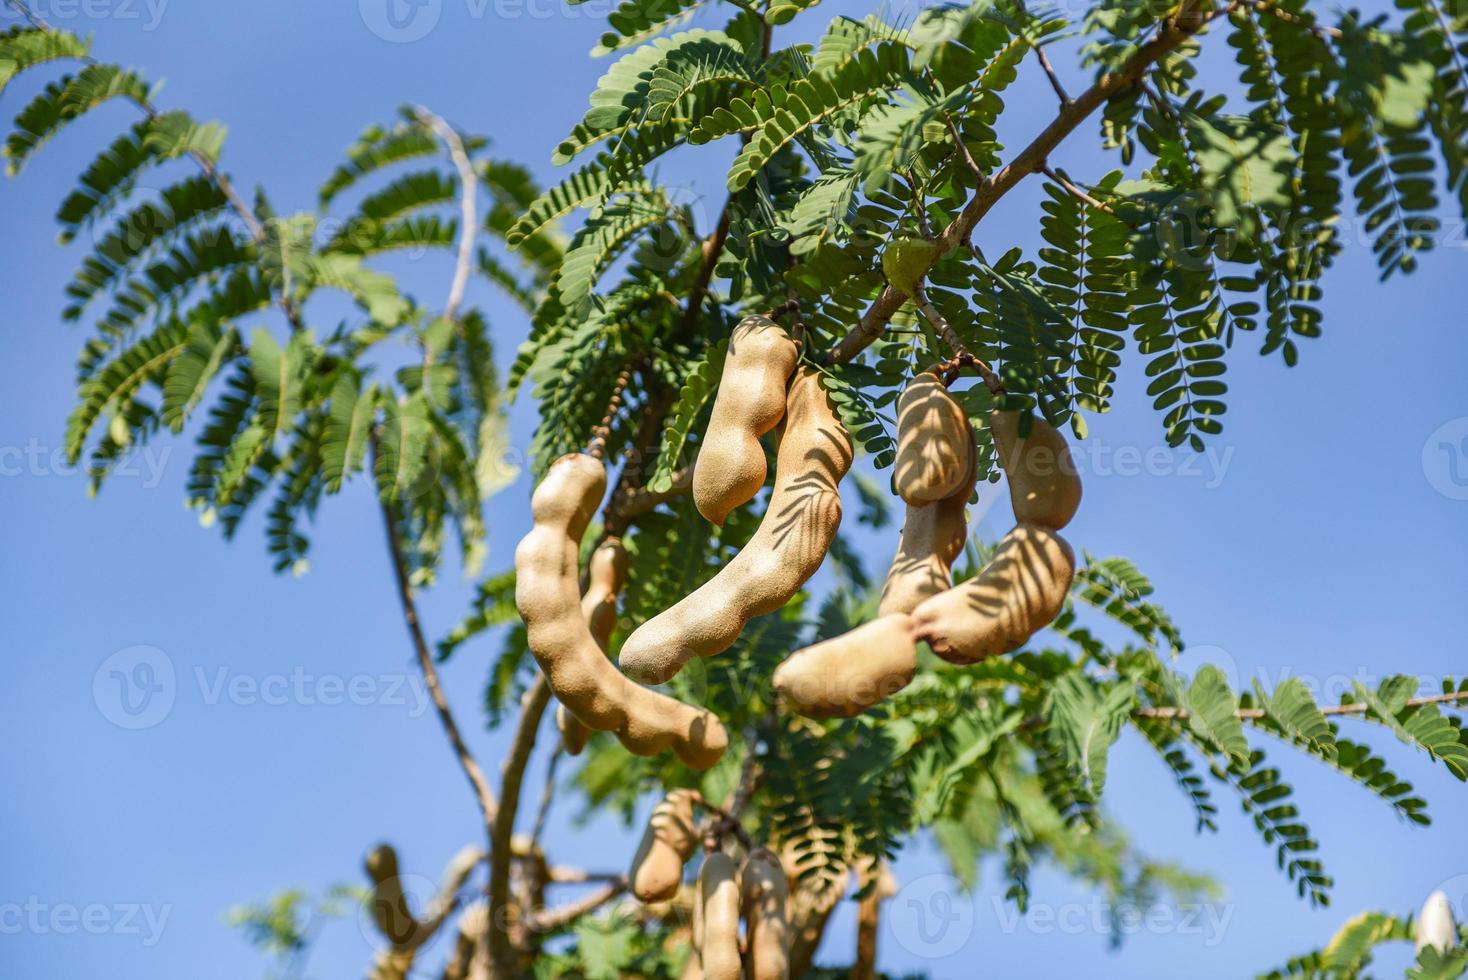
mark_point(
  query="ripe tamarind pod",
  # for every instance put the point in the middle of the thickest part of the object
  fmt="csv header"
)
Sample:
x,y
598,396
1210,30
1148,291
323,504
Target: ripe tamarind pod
x,y
1044,487
574,734
1019,593
846,675
548,596
718,889
792,541
935,445
933,536
751,401
668,842
767,934
606,577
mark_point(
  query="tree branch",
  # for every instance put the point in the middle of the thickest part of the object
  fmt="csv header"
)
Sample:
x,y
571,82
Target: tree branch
x,y
1190,19
482,793
469,206
549,920
532,709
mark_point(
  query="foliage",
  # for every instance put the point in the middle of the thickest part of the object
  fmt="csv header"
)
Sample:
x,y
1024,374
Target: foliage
x,y
858,165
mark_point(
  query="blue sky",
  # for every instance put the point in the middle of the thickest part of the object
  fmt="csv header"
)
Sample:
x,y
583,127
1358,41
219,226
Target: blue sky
x,y
1322,538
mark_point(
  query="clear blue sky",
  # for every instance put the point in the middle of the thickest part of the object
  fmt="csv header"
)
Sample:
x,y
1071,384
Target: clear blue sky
x,y
1320,541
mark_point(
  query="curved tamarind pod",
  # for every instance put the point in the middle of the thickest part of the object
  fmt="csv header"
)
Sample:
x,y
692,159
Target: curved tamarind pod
x,y
1019,593
606,577
847,674
935,445
579,673
933,537
788,548
667,844
767,935
718,889
1044,487
389,907
751,401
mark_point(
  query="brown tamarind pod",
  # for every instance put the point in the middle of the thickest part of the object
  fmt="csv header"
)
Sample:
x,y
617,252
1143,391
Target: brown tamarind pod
x,y
548,596
389,907
718,891
574,734
1019,593
933,536
668,842
767,933
606,577
751,401
844,676
935,445
789,547
1044,487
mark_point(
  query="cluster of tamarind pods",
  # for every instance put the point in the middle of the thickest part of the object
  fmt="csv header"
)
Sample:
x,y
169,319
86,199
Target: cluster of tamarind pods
x,y
755,891
1019,592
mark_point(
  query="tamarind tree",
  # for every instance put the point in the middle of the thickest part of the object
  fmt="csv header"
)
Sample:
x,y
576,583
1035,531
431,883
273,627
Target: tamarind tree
x,y
862,165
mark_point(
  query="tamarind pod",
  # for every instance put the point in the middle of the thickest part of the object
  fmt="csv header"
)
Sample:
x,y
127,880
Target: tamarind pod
x,y
574,734
750,402
846,675
389,907
1044,487
1019,593
606,577
933,536
786,550
719,913
935,444
667,844
548,596
767,934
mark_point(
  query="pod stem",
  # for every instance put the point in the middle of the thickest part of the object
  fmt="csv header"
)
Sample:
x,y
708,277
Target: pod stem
x,y
962,356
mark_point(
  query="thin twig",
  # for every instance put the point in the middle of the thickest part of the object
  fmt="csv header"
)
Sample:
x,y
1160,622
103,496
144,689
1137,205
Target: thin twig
x,y
962,357
1189,20
1451,697
1051,74
549,920
548,792
1319,30
1074,191
482,793
468,206
963,150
